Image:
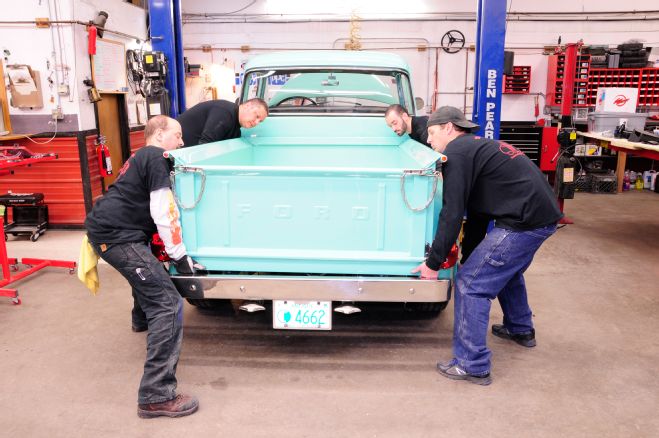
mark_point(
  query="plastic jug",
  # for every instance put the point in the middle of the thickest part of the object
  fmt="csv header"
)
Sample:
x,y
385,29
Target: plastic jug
x,y
626,181
647,178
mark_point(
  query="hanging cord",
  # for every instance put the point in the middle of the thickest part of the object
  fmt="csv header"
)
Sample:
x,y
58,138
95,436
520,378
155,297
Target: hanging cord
x,y
424,172
47,141
181,170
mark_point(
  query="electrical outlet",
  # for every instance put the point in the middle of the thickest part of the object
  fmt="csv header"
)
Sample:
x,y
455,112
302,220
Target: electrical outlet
x,y
63,89
57,113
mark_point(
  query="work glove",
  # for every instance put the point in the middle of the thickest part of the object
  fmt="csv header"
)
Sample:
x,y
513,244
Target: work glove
x,y
186,265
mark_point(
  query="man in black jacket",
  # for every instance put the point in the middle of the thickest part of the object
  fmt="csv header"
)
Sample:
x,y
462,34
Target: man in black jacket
x,y
400,121
489,179
217,120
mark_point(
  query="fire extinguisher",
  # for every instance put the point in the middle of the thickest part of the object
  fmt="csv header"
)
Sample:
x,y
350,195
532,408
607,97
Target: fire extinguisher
x,y
103,154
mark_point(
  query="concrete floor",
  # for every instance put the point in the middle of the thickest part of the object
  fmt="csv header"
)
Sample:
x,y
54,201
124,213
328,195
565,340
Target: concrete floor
x,y
70,365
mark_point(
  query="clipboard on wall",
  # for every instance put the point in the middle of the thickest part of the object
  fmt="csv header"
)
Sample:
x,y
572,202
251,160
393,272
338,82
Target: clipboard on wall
x,y
24,87
109,67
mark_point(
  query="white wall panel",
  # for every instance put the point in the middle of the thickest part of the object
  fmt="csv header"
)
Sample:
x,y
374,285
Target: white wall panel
x,y
30,45
402,37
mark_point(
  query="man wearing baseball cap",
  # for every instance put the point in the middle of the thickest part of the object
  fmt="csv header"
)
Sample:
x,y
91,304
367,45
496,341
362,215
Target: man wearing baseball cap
x,y
491,180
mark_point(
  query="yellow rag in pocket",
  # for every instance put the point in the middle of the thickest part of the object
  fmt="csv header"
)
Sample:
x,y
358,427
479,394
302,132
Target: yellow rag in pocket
x,y
87,262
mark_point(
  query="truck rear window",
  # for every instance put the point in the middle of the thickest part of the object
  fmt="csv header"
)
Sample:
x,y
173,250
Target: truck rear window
x,y
323,91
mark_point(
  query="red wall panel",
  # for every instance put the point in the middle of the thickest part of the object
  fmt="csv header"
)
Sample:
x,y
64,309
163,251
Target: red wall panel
x,y
136,140
61,180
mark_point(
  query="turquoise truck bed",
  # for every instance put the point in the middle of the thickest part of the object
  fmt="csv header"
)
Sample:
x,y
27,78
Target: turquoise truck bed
x,y
294,203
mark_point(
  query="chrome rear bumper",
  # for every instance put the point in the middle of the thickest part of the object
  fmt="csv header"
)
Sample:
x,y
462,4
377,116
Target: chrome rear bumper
x,y
262,287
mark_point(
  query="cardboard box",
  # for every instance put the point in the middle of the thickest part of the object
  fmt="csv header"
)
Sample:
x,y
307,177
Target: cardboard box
x,y
25,87
587,150
593,150
617,100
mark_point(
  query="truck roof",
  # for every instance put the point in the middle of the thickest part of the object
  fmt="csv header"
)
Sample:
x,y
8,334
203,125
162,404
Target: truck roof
x,y
328,58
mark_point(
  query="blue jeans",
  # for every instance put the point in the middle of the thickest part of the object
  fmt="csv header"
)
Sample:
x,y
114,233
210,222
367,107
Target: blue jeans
x,y
163,307
494,269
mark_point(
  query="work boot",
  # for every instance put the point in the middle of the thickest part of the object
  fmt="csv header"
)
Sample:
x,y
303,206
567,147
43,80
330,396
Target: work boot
x,y
526,339
180,406
139,328
453,371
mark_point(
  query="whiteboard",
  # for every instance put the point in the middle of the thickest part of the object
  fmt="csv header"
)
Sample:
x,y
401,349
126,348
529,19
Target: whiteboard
x,y
109,67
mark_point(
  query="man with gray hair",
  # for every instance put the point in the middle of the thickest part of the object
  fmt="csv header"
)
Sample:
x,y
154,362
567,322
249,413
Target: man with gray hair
x,y
488,179
119,227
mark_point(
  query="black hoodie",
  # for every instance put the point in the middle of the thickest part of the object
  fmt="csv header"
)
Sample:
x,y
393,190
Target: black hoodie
x,y
209,121
490,179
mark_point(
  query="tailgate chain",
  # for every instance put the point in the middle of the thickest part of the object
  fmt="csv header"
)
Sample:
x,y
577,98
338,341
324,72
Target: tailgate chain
x,y
186,169
424,172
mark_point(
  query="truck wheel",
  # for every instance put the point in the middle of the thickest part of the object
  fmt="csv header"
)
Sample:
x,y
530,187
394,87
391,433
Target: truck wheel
x,y
426,310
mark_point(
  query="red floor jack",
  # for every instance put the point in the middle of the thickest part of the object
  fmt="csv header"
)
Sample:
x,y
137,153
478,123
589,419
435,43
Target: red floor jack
x,y
33,265
10,158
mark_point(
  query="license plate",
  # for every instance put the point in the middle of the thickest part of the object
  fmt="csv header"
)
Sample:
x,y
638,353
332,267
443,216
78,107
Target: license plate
x,y
302,315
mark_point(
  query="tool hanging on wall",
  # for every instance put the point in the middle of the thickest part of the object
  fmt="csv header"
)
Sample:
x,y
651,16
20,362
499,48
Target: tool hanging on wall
x,y
100,21
147,73
92,92
453,41
91,40
536,106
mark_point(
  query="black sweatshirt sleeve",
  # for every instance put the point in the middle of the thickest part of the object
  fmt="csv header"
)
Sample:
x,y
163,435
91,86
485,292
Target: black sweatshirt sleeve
x,y
457,177
216,127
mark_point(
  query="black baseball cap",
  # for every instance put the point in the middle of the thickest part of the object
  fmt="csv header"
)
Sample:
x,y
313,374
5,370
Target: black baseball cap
x,y
451,114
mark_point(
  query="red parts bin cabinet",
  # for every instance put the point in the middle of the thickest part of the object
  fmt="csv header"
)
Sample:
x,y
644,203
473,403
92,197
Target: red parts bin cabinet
x,y
519,82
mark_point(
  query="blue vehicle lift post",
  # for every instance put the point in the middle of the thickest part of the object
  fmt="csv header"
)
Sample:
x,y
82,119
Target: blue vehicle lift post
x,y
488,70
165,34
488,73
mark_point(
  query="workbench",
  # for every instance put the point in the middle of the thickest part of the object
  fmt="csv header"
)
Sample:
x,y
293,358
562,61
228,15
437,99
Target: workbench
x,y
623,147
11,137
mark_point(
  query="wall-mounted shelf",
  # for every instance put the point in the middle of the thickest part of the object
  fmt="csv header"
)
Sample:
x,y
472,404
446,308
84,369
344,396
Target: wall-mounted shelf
x,y
648,93
611,77
519,82
588,80
556,75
